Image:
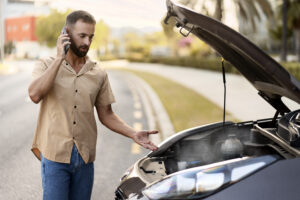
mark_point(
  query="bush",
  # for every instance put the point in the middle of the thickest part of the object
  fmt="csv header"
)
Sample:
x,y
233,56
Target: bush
x,y
212,63
293,68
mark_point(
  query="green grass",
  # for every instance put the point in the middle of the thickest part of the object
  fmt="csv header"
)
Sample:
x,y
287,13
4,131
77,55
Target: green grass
x,y
185,107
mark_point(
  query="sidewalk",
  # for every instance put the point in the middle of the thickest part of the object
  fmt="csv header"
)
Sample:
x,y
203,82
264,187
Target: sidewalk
x,y
242,101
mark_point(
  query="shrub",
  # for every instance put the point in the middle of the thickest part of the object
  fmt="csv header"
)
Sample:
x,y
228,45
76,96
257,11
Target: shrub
x,y
211,63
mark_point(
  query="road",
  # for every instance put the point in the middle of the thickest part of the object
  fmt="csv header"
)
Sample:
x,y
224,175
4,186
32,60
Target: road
x,y
20,170
242,101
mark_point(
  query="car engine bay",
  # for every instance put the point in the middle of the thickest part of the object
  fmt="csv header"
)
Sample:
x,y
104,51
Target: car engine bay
x,y
236,140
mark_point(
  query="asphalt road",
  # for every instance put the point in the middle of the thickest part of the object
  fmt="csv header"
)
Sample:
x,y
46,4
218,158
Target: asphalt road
x,y
20,170
242,99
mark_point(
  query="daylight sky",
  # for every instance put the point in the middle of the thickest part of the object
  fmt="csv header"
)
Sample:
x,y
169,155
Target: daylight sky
x,y
120,13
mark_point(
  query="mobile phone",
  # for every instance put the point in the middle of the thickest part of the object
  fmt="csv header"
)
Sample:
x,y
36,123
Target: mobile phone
x,y
64,31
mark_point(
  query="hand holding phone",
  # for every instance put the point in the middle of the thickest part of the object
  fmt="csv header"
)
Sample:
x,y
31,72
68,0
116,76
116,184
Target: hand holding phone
x,y
66,47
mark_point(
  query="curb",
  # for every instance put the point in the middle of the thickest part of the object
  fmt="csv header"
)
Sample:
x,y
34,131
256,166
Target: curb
x,y
157,115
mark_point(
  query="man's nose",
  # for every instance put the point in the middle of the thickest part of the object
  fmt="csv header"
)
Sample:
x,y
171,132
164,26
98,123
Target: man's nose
x,y
87,41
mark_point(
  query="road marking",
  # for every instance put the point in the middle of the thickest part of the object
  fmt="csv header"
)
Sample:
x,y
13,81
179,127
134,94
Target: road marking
x,y
135,148
137,105
137,114
135,97
138,126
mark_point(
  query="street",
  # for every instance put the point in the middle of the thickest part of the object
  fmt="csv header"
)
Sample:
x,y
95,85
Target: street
x,y
20,170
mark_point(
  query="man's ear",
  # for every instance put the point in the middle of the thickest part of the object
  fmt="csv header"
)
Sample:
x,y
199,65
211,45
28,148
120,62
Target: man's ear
x,y
68,29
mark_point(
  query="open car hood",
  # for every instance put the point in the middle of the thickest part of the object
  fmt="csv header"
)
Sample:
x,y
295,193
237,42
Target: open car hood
x,y
265,74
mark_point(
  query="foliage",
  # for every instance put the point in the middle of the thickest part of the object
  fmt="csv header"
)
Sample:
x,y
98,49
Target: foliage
x,y
199,48
276,32
139,46
9,47
248,9
293,68
101,38
135,46
171,36
293,20
212,63
49,27
293,13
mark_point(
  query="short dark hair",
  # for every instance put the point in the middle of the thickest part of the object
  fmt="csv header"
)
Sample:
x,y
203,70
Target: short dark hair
x,y
74,16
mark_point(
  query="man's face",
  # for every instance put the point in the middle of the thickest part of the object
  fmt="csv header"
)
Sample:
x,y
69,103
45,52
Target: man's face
x,y
81,35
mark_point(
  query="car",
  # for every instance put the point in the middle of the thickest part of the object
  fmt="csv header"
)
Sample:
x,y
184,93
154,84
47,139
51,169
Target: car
x,y
256,159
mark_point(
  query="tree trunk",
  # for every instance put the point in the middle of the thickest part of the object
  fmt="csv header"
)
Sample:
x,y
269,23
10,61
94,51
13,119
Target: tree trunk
x,y
284,31
218,10
297,31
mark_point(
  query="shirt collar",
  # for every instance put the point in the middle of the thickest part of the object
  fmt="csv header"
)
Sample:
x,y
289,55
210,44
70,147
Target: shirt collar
x,y
85,68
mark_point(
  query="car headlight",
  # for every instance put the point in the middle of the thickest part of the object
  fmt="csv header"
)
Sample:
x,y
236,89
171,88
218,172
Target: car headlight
x,y
202,181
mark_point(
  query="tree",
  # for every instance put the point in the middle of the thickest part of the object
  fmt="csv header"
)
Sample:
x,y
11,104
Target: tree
x,y
135,46
9,47
289,13
284,31
48,28
101,38
247,8
294,22
171,35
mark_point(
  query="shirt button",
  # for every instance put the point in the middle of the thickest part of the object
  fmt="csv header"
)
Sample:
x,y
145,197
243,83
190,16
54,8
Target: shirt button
x,y
67,64
75,106
74,122
76,90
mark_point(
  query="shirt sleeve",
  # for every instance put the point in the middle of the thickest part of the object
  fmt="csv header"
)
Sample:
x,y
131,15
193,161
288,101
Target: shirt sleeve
x,y
39,68
105,95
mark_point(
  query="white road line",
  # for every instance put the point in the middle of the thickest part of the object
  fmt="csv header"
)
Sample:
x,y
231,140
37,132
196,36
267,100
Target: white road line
x,y
135,148
137,105
137,114
135,97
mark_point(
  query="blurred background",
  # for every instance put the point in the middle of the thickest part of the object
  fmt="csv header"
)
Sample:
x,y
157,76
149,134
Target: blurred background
x,y
131,34
134,30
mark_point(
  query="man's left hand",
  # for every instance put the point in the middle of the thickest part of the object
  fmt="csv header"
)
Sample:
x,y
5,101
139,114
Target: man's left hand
x,y
142,138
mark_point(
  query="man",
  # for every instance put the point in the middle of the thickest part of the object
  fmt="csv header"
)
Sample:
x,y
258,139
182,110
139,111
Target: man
x,y
69,86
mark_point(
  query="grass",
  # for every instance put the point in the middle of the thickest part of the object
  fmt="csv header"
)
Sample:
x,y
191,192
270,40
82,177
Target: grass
x,y
186,108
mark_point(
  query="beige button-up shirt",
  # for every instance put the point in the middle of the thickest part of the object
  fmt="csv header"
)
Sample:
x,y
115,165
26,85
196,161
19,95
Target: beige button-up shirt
x,y
67,111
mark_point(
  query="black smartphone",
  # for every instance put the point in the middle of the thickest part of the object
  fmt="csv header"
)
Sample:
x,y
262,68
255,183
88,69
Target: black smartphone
x,y
64,31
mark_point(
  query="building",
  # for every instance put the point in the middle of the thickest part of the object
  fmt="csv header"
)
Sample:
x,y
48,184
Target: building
x,y
20,29
19,26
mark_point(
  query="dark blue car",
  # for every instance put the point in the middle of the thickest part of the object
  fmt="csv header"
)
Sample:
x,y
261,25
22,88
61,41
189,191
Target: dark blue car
x,y
257,159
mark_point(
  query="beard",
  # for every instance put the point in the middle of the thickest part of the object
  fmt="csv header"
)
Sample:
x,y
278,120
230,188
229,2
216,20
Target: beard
x,y
79,51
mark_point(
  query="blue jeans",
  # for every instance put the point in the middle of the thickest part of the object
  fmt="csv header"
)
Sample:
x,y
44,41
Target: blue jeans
x,y
72,181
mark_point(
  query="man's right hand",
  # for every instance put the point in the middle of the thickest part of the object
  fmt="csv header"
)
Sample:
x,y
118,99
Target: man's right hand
x,y
62,41
40,86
